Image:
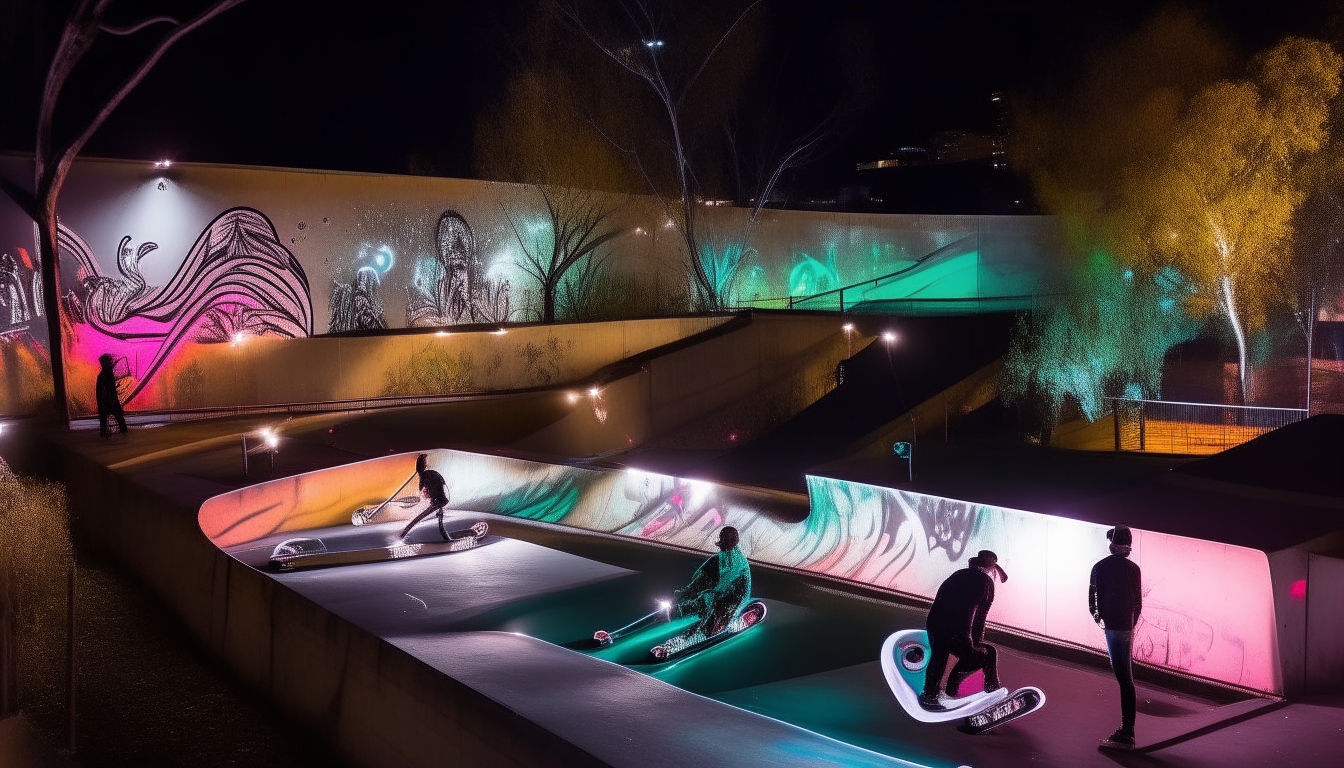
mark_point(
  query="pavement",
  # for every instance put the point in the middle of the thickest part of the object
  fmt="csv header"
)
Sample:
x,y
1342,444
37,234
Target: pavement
x,y
800,688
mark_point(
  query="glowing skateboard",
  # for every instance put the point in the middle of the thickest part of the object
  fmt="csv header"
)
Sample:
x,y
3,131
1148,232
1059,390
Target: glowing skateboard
x,y
687,643
293,554
690,643
905,657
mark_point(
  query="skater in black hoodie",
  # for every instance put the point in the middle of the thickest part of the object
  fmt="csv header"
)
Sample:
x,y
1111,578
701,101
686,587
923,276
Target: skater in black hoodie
x,y
1115,598
956,625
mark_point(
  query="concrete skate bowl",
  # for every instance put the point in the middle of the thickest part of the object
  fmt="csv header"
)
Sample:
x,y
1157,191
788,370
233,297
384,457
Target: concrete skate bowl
x,y
1209,607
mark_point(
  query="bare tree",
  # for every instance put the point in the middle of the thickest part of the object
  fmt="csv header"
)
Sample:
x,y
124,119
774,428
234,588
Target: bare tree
x,y
89,21
636,47
579,223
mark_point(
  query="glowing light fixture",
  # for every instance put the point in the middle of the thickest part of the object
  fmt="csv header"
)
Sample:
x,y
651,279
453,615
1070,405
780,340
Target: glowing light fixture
x,y
441,333
237,338
654,44
572,396
664,605
849,327
163,163
594,392
889,337
501,332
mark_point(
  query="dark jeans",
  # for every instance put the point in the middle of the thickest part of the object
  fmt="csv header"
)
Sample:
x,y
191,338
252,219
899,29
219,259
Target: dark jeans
x,y
117,414
1120,645
970,657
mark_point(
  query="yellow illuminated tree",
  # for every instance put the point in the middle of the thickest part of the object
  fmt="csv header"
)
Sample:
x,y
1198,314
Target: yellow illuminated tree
x,y
1216,201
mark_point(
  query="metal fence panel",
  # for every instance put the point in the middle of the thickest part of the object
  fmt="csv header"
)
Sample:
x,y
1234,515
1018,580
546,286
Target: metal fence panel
x,y
1159,426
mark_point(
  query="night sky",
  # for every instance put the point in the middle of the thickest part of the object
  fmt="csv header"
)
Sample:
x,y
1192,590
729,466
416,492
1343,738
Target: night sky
x,y
363,87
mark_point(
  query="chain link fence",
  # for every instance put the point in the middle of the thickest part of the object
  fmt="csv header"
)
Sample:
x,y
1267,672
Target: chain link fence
x,y
1159,426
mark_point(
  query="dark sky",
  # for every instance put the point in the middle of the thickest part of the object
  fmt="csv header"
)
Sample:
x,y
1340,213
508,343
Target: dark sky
x,y
325,84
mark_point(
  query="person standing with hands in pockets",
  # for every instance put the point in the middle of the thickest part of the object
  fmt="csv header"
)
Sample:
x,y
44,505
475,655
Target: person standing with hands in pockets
x,y
1115,598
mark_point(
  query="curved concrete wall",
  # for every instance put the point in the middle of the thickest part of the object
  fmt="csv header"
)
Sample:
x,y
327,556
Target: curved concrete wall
x,y
1209,607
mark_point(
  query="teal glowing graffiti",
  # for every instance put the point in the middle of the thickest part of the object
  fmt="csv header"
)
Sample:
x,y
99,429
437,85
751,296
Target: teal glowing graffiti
x,y
379,260
721,268
810,276
545,503
1109,337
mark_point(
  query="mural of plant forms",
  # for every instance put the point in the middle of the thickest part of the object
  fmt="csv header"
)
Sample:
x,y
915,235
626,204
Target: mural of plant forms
x,y
720,264
356,307
542,362
451,287
578,224
237,280
430,371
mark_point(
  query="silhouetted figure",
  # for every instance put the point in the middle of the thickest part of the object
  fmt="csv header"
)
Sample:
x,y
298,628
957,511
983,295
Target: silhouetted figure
x,y
434,489
956,625
1115,598
109,402
719,588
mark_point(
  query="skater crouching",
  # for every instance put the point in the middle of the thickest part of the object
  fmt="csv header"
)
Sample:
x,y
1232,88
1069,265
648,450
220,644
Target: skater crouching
x,y
956,625
1115,599
719,589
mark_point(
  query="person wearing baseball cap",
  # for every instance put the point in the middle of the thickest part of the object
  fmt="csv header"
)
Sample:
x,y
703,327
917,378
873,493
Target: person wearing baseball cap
x,y
1115,598
956,625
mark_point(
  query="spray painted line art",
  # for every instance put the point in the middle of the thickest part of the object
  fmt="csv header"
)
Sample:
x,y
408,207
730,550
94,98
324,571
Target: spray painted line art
x,y
237,279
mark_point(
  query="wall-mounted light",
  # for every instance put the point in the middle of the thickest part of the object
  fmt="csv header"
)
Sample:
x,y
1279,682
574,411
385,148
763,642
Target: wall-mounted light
x,y
163,163
237,339
849,327
501,332
594,392
889,337
654,44
573,397
440,333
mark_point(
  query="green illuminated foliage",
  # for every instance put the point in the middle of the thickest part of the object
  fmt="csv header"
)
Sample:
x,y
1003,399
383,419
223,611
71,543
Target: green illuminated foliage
x,y
1107,338
1173,170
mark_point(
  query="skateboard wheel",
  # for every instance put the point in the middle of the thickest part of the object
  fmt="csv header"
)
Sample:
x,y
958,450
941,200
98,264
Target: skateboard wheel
x,y
914,658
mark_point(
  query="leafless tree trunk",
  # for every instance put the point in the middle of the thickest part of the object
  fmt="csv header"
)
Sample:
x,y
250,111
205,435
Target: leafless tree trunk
x,y
642,61
580,225
52,159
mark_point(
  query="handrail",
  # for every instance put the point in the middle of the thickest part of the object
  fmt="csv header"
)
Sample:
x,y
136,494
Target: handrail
x,y
1207,405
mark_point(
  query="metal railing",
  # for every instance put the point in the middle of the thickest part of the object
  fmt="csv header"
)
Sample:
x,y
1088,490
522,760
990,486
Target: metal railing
x,y
1160,426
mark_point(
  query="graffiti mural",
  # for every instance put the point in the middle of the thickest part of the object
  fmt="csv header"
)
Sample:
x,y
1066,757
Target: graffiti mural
x,y
451,287
236,281
1208,607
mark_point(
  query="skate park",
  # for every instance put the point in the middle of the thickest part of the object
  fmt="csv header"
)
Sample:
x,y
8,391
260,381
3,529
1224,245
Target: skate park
x,y
478,648
604,457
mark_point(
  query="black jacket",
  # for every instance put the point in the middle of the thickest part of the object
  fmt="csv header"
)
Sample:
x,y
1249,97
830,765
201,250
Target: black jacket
x,y
1115,595
961,605
105,389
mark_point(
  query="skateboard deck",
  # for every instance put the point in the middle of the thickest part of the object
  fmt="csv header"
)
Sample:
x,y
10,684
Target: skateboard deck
x,y
1021,703
294,554
905,658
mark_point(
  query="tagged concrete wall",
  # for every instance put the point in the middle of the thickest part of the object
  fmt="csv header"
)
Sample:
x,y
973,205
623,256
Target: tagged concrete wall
x,y
258,370
157,262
